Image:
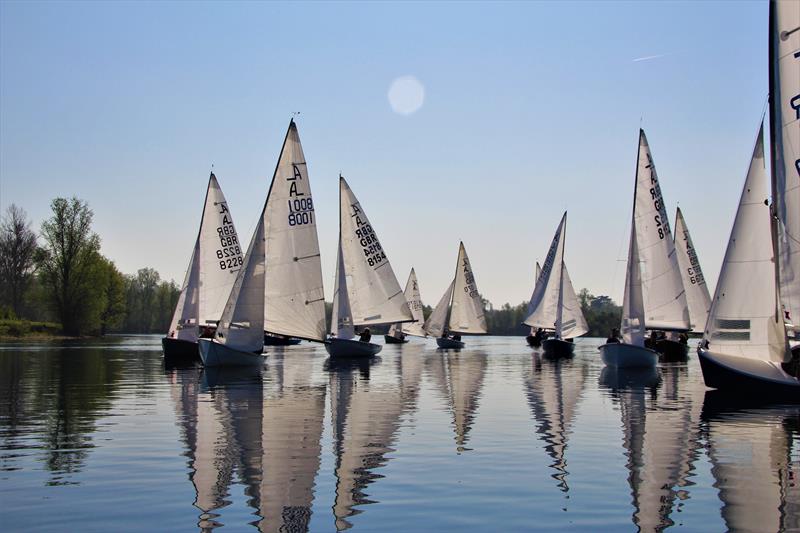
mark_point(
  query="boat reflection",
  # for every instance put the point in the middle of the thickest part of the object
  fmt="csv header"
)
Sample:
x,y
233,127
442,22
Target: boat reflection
x,y
660,419
554,389
367,404
459,379
751,451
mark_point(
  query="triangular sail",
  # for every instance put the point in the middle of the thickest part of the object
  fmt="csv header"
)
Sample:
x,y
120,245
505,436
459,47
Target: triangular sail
x,y
466,313
437,320
744,318
295,301
573,323
184,320
414,300
784,66
545,300
662,288
341,320
374,293
632,327
531,302
697,296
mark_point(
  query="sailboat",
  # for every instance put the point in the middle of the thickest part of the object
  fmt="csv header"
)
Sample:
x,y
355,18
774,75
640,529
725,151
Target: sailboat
x,y
535,337
398,332
216,258
460,310
367,292
697,297
655,299
279,287
554,301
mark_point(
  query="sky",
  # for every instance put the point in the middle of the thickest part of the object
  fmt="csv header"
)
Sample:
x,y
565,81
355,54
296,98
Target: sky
x,y
501,117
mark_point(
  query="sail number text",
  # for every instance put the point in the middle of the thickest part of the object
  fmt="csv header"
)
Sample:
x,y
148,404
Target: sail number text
x,y
662,224
373,252
695,274
469,280
229,253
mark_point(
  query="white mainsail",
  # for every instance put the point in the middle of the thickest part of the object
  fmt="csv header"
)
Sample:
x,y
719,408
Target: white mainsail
x,y
414,300
372,288
697,297
662,288
744,319
784,66
437,320
184,324
632,327
543,306
573,323
341,319
466,312
295,301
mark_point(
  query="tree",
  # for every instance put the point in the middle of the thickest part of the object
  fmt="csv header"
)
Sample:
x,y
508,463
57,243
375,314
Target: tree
x,y
71,253
17,254
111,283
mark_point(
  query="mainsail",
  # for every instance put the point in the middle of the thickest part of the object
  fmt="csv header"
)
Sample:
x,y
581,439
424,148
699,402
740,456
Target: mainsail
x,y
438,318
744,319
466,313
662,288
372,288
697,296
784,81
414,300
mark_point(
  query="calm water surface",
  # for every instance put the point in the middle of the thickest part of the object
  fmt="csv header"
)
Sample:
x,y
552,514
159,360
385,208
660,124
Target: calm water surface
x,y
101,436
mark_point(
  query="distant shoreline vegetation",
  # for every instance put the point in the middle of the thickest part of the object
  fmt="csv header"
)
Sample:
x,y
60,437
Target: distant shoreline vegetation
x,y
57,284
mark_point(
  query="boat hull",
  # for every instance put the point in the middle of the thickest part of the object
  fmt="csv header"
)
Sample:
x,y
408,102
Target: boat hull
x,y
558,348
744,376
672,350
449,344
621,355
179,349
351,348
391,339
216,354
271,340
533,342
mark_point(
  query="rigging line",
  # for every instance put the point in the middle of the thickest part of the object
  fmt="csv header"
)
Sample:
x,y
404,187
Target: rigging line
x,y
306,257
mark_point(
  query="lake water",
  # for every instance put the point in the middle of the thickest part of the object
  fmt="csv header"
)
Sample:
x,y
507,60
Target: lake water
x,y
100,436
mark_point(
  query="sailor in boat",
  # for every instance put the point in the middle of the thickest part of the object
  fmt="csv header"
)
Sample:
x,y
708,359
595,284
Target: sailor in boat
x,y
614,337
365,336
456,337
207,332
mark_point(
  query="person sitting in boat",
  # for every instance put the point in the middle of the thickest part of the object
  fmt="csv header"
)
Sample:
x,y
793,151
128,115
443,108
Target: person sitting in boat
x,y
366,335
207,332
683,338
614,337
457,337
530,338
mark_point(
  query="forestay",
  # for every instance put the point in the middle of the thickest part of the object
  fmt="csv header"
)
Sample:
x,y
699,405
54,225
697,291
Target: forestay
x,y
662,288
784,48
544,303
632,327
697,297
341,319
372,288
744,319
435,324
466,314
294,296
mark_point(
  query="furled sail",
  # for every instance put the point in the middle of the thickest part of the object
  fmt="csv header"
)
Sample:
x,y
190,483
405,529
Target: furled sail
x,y
374,293
435,324
341,319
697,296
466,313
784,66
295,301
744,319
662,288
632,327
545,300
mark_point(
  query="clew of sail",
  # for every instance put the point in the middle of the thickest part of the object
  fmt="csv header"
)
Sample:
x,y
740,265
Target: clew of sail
x,y
697,297
662,287
437,320
744,318
372,288
466,313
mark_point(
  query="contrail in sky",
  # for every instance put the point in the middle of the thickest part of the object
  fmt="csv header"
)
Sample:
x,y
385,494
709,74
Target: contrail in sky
x,y
648,58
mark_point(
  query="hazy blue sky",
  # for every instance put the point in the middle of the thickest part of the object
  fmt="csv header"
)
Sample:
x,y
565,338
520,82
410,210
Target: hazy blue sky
x,y
529,109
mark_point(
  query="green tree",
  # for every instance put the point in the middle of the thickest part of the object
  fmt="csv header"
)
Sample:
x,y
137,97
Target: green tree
x,y
17,257
111,284
71,253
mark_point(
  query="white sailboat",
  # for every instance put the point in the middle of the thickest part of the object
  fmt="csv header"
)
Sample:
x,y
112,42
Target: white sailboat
x,y
697,297
554,303
216,258
654,296
279,288
460,310
367,292
398,332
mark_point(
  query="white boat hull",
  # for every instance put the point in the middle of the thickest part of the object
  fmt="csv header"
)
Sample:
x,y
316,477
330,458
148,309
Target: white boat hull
x,y
216,354
621,355
351,348
449,344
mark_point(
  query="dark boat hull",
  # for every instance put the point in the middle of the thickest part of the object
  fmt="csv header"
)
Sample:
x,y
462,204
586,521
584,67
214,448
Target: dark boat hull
x,y
449,344
670,350
351,348
534,342
179,350
558,348
271,340
391,339
764,379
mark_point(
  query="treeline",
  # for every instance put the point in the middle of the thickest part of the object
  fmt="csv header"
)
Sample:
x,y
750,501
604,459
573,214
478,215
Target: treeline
x,y
59,275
